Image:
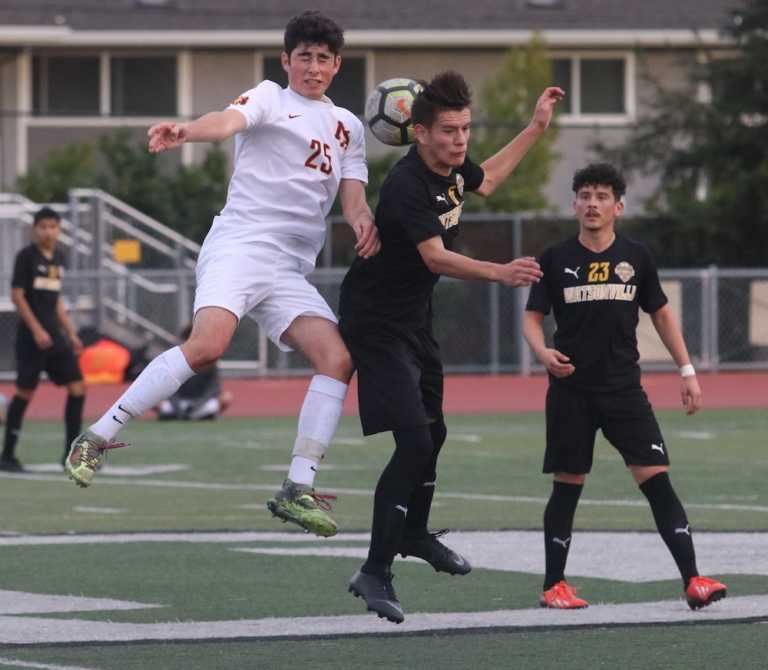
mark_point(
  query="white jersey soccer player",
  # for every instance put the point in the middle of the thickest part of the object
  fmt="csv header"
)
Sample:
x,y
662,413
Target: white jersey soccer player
x,y
289,163
295,151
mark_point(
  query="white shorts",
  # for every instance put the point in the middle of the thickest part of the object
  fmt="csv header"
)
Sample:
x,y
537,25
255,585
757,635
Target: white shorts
x,y
251,276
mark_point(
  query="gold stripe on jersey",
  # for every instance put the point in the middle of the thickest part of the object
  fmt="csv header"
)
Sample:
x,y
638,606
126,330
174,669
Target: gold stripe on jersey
x,y
46,284
450,219
599,292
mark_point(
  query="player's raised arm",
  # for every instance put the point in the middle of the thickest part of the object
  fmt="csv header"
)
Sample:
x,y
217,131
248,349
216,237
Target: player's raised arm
x,y
499,166
211,127
355,208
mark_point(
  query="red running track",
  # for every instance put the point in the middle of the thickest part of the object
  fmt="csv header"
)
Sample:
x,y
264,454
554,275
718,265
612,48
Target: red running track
x,y
464,394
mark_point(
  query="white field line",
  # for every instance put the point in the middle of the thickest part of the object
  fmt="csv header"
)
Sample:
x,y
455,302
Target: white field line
x,y
341,467
98,510
38,630
635,557
696,434
17,663
20,602
118,470
470,438
224,486
193,538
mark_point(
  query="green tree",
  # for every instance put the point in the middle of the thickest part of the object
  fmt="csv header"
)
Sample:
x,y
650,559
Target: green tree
x,y
506,103
711,155
185,199
135,176
50,179
198,193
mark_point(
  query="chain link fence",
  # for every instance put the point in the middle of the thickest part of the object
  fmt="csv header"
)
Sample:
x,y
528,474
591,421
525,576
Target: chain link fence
x,y
723,312
724,315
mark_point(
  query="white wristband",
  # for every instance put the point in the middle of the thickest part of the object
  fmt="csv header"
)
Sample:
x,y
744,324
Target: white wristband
x,y
687,370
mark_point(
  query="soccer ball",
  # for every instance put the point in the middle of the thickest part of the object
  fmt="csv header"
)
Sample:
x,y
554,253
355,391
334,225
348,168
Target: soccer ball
x,y
388,111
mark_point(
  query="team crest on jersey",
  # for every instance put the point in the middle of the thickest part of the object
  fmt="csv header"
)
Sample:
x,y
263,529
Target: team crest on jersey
x,y
240,100
456,191
624,271
342,135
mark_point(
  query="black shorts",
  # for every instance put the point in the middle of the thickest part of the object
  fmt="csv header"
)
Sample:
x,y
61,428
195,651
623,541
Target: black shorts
x,y
399,378
625,417
59,363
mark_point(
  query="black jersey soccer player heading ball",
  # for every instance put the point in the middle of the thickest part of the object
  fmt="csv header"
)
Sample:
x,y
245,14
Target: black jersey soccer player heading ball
x,y
386,319
595,283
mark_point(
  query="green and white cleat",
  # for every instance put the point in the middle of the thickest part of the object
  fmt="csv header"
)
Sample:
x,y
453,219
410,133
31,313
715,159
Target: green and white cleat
x,y
302,506
85,457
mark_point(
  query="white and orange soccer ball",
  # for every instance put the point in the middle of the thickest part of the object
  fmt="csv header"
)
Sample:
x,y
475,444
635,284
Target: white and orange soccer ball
x,y
388,111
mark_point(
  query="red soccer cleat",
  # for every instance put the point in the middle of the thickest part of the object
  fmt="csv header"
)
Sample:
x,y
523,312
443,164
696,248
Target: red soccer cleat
x,y
562,596
702,591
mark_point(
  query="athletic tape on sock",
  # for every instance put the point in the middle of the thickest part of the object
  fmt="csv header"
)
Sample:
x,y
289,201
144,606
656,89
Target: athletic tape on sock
x,y
328,386
306,447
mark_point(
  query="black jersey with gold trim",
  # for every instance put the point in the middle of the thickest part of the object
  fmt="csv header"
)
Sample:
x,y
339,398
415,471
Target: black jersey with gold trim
x,y
415,204
40,277
595,298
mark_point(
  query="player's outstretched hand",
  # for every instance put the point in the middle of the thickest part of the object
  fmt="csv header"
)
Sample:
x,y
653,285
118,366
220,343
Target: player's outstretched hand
x,y
521,272
691,394
545,107
368,243
166,135
557,363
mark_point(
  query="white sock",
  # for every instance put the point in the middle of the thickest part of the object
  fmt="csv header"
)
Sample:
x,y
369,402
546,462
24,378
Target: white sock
x,y
318,420
302,470
158,381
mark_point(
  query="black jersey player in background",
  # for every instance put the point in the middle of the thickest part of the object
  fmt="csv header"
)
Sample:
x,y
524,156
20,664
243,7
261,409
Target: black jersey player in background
x,y
595,282
45,339
386,320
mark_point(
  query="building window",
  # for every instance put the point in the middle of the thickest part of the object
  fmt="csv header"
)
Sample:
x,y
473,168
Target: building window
x,y
598,87
65,85
143,86
561,73
602,86
347,89
93,85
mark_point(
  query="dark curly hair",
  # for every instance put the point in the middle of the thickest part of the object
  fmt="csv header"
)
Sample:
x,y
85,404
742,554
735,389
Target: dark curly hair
x,y
447,90
600,174
313,27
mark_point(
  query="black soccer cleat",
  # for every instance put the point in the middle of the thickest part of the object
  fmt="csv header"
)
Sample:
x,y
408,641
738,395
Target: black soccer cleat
x,y
434,552
379,595
11,464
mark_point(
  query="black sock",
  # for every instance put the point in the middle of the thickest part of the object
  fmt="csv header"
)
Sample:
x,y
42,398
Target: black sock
x,y
413,449
13,423
421,500
558,523
73,418
671,523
